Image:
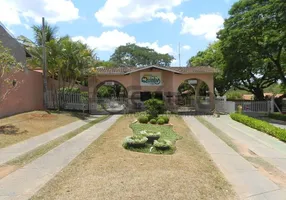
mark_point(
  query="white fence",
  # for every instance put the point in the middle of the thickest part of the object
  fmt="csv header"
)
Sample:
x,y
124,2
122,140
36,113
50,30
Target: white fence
x,y
247,106
67,101
254,106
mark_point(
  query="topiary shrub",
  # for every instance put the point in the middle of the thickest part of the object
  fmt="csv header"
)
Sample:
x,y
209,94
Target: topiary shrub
x,y
143,119
151,136
153,121
136,141
154,107
166,119
160,121
163,145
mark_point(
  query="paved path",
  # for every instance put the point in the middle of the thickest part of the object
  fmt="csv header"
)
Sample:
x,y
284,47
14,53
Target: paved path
x,y
13,151
25,182
267,147
246,180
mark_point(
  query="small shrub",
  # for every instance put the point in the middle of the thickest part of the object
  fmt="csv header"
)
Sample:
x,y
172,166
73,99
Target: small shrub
x,y
153,121
143,119
163,145
154,107
160,121
136,141
260,125
151,136
166,119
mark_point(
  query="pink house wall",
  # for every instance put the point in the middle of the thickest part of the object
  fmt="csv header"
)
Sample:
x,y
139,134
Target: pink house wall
x,y
27,96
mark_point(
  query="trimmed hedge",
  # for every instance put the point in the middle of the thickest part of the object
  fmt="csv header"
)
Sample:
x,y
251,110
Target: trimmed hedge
x,y
153,121
135,141
166,119
143,119
277,116
260,125
160,121
163,145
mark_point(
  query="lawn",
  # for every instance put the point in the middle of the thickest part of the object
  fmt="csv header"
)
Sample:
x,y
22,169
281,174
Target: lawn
x,y
105,170
20,127
167,133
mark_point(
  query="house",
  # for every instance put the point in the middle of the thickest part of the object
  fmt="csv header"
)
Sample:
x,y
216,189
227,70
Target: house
x,y
17,50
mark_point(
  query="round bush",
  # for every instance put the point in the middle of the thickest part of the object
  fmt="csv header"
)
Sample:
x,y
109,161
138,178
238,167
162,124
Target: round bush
x,y
160,121
153,121
135,141
162,145
166,119
143,119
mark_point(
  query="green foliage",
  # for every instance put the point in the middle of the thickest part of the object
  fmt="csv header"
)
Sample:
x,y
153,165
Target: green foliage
x,y
213,57
8,67
70,90
160,121
260,125
253,44
278,116
234,95
143,119
163,144
154,107
165,118
135,141
153,121
152,136
167,133
133,55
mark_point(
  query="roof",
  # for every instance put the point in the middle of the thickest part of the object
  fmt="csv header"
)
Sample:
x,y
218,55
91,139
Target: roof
x,y
178,70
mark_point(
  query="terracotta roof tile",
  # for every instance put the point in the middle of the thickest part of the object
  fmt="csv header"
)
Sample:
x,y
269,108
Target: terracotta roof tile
x,y
126,70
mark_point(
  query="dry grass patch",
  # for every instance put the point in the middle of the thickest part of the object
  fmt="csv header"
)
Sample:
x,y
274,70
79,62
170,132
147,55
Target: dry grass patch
x,y
105,170
20,127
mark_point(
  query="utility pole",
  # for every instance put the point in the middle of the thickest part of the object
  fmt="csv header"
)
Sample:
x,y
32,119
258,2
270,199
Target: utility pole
x,y
44,63
179,54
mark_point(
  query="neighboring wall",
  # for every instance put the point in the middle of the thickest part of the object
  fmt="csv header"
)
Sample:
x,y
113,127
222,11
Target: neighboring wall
x,y
27,96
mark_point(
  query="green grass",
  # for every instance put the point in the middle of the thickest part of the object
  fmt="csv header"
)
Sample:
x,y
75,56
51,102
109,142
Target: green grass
x,y
38,152
167,133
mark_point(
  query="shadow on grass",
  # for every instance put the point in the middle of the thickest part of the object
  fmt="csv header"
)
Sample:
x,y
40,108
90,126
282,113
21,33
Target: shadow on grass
x,y
11,130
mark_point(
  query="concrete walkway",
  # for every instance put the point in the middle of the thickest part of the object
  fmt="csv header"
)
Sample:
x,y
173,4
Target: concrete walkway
x,y
25,182
247,181
267,147
13,151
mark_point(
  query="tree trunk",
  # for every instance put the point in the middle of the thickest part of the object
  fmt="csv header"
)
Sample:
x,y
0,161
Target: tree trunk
x,y
258,94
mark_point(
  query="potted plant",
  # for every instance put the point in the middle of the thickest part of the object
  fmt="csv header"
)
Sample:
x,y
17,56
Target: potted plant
x,y
151,136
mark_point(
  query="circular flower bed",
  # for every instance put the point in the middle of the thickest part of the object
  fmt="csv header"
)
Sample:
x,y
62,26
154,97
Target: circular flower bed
x,y
136,141
163,145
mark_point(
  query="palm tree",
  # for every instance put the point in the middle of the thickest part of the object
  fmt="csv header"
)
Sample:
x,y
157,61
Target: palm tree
x,y
51,33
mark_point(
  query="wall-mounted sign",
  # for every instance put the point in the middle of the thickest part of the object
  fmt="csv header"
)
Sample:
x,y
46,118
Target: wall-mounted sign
x,y
193,82
150,79
110,83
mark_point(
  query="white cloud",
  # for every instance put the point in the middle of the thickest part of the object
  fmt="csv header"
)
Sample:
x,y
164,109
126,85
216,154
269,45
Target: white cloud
x,y
117,13
11,11
160,49
170,16
186,47
109,40
206,25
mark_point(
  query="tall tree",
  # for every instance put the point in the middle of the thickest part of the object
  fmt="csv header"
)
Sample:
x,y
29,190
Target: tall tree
x,y
257,27
133,55
213,57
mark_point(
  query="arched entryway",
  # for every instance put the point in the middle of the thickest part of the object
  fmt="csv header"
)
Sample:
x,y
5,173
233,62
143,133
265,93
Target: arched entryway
x,y
110,97
194,95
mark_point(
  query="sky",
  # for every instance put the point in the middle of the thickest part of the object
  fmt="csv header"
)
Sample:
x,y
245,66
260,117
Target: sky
x,y
106,24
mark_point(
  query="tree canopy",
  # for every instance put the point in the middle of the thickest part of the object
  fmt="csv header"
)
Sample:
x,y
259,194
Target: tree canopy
x,y
133,55
255,36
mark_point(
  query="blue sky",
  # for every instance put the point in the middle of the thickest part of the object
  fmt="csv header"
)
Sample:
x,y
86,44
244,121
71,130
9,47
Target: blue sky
x,y
106,24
